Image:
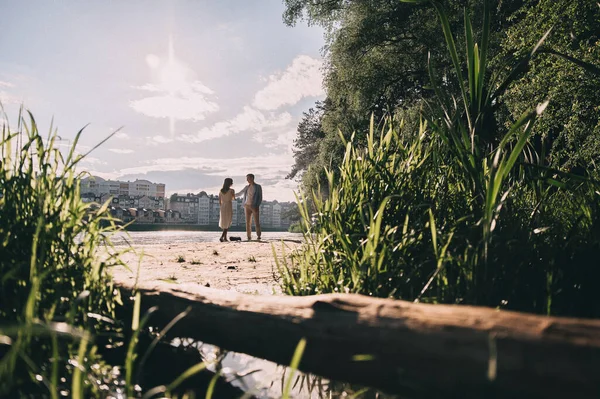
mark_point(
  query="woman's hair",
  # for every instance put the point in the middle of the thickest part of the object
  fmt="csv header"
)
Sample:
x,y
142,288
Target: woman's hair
x,y
226,185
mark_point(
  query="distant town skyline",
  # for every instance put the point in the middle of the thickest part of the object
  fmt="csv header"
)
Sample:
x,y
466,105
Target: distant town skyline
x,y
202,90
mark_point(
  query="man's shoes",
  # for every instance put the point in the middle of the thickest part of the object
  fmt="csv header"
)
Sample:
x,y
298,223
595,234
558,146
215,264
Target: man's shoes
x,y
249,239
258,238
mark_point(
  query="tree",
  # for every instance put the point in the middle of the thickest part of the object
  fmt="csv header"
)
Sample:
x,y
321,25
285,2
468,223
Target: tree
x,y
569,132
306,145
376,55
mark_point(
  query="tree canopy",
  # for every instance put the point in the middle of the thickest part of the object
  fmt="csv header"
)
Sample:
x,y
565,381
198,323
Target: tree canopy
x,y
376,63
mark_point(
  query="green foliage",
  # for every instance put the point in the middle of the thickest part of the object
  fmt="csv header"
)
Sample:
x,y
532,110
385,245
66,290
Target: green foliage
x,y
295,227
458,212
55,293
294,367
568,136
307,143
376,63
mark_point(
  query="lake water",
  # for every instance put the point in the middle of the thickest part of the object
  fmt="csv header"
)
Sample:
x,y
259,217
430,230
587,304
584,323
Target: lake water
x,y
182,237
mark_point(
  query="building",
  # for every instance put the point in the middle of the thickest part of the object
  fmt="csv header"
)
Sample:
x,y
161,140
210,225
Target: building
x,y
276,218
266,214
97,185
187,206
203,209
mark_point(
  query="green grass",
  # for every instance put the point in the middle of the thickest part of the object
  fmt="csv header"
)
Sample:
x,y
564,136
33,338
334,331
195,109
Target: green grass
x,y
57,299
180,259
294,364
170,279
55,252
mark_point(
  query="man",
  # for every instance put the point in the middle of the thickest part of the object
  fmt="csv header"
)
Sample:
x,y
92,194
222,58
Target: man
x,y
252,199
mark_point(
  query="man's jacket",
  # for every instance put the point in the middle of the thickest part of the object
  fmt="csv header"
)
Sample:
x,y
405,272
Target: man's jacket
x,y
256,198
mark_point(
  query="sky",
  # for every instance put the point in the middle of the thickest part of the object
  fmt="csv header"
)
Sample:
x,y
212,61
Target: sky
x,y
201,90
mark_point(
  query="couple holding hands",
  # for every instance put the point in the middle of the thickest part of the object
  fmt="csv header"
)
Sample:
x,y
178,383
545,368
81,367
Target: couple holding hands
x,y
252,199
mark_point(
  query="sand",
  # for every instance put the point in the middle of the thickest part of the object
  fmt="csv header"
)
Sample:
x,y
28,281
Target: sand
x,y
246,267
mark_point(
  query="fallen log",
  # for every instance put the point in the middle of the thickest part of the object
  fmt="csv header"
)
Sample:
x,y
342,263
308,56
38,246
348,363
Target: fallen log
x,y
417,350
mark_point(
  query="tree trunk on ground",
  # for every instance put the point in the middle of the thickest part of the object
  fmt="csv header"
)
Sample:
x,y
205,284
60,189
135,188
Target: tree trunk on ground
x,y
417,350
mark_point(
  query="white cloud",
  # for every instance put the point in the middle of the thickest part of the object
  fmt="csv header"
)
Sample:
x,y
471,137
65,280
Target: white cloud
x,y
153,61
301,79
120,150
270,166
250,119
273,139
158,139
201,88
104,175
67,144
185,103
148,87
6,98
122,136
92,161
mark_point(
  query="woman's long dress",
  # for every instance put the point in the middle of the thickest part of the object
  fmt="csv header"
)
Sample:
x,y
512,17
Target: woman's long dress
x,y
226,209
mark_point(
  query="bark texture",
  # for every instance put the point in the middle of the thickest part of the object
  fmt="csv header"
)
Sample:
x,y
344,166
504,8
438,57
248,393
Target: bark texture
x,y
417,350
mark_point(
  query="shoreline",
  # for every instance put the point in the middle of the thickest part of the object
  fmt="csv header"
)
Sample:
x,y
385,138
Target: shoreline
x,y
244,266
193,227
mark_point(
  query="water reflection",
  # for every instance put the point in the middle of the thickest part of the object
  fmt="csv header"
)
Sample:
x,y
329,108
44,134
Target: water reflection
x,y
264,379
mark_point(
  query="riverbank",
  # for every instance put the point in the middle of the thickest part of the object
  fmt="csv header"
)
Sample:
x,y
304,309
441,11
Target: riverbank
x,y
244,266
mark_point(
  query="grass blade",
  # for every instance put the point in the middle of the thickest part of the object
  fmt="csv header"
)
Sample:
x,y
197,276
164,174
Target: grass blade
x,y
294,366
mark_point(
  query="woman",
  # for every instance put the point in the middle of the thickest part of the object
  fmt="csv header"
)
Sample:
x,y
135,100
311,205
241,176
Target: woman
x,y
226,196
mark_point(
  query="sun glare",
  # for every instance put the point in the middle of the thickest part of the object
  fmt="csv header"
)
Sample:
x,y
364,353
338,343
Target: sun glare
x,y
173,76
153,61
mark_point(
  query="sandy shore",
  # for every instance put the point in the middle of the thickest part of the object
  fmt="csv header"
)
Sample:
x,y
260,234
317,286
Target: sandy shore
x,y
247,267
